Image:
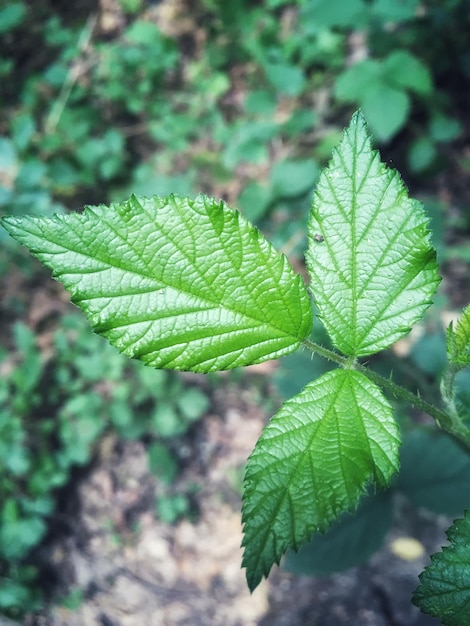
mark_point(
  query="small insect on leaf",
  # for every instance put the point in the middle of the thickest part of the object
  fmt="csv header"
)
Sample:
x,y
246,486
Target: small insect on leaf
x,y
376,273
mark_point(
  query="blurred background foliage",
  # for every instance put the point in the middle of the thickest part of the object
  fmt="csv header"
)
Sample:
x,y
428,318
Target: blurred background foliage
x,y
241,100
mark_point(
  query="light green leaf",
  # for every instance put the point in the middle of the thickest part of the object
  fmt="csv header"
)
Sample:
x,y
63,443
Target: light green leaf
x,y
372,267
422,154
143,33
248,141
458,341
19,537
393,10
406,70
380,87
443,128
293,177
260,102
254,200
162,462
386,109
326,14
178,283
445,584
285,78
352,84
11,15
193,403
312,462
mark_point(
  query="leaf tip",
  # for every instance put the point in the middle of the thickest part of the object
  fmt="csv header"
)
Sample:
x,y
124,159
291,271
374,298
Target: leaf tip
x,y
5,222
253,579
358,118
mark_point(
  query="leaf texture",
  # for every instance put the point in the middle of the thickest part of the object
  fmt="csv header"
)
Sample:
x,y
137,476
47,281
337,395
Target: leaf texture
x,y
445,584
372,267
312,462
178,283
458,341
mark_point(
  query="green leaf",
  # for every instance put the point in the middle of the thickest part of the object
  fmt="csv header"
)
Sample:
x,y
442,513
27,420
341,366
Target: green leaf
x,y
435,472
294,177
285,78
386,109
177,283
394,10
143,33
405,70
443,128
349,542
8,158
171,507
23,128
372,267
13,594
313,462
458,341
162,462
254,201
422,154
260,102
376,88
248,142
147,182
352,84
445,584
301,121
193,403
167,422
462,394
11,15
343,13
20,536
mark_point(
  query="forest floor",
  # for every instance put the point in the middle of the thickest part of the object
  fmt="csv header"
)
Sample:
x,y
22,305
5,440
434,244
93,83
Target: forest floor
x,y
134,570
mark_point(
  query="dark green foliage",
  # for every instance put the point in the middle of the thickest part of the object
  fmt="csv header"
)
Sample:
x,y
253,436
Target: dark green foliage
x,y
444,589
349,542
435,473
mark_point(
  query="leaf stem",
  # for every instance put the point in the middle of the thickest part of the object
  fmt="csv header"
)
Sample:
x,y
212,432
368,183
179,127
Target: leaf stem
x,y
449,421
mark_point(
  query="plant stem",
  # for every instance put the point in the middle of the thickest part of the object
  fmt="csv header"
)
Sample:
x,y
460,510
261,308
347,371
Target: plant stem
x,y
449,421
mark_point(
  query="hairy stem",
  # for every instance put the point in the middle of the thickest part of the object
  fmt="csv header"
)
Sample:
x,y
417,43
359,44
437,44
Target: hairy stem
x,y
449,421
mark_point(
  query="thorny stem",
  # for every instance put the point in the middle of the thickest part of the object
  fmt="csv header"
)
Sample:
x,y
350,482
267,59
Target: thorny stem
x,y
450,421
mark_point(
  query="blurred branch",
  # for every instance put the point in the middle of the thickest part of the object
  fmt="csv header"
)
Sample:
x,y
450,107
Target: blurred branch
x,y
72,75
